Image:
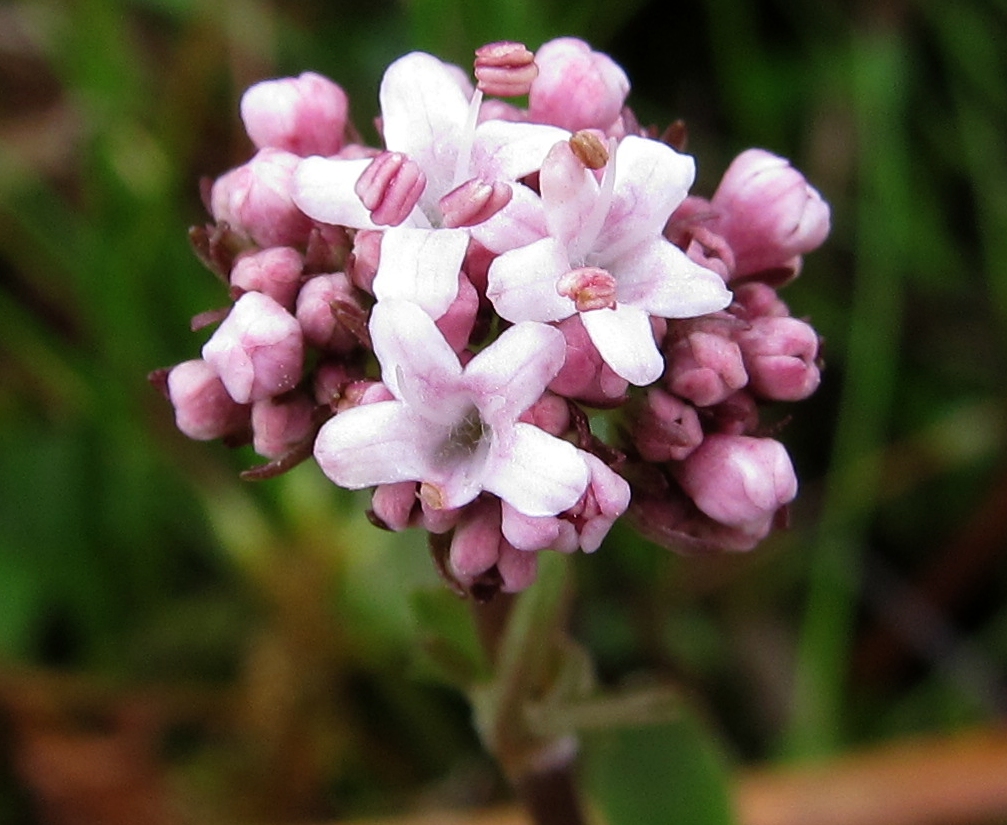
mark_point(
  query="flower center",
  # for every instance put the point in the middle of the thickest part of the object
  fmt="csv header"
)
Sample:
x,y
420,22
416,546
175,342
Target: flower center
x,y
464,439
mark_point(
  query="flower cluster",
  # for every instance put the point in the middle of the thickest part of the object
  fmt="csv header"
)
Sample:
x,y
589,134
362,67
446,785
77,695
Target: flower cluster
x,y
443,319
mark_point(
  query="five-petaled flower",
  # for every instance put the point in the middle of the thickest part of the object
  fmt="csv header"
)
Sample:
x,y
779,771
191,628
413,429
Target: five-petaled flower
x,y
455,429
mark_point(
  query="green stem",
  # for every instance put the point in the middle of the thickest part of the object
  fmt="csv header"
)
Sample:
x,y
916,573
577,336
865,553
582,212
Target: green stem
x,y
520,637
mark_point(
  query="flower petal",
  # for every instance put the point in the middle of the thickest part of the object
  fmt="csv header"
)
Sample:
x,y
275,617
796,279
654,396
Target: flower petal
x,y
510,375
625,340
534,472
323,189
658,276
519,223
506,150
522,282
417,365
651,180
378,443
424,106
570,194
421,266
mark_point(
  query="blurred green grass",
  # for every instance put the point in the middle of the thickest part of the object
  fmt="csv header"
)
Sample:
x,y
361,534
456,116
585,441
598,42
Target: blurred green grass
x,y
130,554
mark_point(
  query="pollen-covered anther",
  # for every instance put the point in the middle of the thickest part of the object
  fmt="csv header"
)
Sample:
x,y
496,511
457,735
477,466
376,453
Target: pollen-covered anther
x,y
589,288
431,495
589,148
473,202
504,69
390,187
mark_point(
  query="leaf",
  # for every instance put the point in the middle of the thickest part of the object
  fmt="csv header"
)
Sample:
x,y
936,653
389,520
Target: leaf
x,y
659,774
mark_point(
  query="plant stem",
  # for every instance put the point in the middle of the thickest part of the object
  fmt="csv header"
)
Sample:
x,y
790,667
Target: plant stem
x,y
540,771
550,795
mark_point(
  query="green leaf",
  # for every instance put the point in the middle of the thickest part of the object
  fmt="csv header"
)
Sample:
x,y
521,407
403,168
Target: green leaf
x,y
655,775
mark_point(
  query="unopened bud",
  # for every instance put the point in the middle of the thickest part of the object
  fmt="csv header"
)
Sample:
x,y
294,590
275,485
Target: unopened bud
x,y
576,88
666,429
256,200
705,366
780,354
280,424
275,272
768,213
203,409
305,115
738,480
258,350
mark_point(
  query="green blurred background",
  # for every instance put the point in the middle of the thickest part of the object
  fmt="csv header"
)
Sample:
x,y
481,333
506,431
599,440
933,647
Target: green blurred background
x,y
249,650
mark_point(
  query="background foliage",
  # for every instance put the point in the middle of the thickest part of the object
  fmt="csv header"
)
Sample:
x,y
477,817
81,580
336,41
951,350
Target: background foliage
x,y
252,651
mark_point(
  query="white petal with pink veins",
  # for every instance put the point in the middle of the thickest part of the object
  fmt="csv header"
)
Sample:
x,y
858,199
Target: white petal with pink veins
x,y
374,444
421,266
324,190
536,473
625,341
522,282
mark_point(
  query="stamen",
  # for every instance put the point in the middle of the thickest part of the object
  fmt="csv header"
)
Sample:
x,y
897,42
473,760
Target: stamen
x,y
505,69
589,288
390,187
589,149
473,202
599,212
464,159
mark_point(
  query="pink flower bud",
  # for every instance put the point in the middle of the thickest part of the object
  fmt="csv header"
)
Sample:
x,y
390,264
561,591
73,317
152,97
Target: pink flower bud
x,y
584,375
666,428
275,272
606,499
504,69
576,88
704,364
255,200
588,287
711,251
531,533
258,349
673,521
390,187
393,504
780,355
738,480
203,409
305,115
518,569
475,546
363,263
755,299
316,313
474,202
768,213
280,424
550,413
457,323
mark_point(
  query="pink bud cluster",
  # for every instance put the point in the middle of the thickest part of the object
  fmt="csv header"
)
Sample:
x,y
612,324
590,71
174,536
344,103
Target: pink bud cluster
x,y
443,319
